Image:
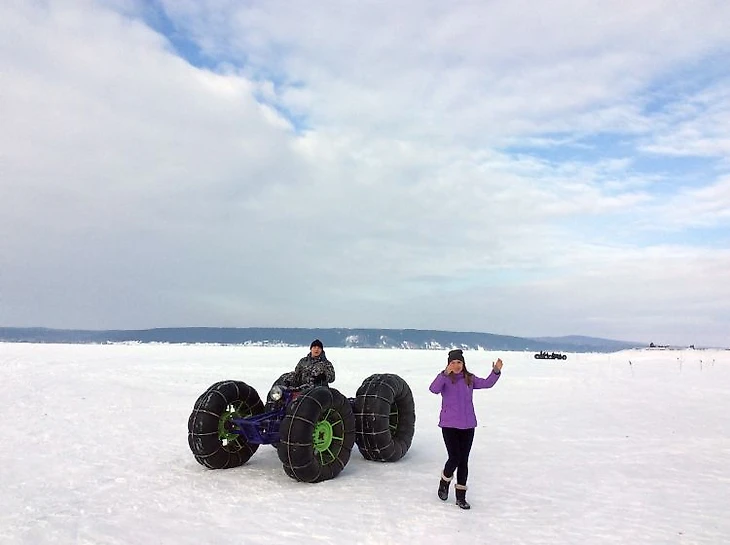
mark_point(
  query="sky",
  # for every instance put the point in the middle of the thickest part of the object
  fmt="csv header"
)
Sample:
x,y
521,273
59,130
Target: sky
x,y
559,454
475,166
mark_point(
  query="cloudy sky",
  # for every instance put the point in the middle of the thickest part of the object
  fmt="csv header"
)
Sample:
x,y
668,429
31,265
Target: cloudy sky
x,y
502,166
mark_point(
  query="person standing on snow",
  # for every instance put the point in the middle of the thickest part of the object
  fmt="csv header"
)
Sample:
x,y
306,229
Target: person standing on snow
x,y
313,368
458,419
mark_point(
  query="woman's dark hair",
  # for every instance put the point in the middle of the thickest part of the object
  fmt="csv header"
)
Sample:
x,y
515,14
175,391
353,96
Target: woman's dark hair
x,y
465,372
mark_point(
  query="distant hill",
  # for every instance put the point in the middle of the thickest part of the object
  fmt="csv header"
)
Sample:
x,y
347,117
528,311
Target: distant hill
x,y
579,340
358,338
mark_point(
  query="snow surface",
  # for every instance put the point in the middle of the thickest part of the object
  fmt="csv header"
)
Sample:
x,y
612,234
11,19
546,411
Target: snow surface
x,y
631,447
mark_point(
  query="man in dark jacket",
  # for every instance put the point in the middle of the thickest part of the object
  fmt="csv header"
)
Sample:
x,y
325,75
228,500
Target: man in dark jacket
x,y
314,368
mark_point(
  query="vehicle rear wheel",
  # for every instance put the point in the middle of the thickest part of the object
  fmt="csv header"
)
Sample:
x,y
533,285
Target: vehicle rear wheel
x,y
385,418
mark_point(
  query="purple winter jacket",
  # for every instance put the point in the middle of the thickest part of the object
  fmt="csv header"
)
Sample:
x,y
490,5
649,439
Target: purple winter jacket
x,y
457,404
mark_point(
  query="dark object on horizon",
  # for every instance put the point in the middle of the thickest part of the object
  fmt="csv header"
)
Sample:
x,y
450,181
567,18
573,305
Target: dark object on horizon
x,y
542,355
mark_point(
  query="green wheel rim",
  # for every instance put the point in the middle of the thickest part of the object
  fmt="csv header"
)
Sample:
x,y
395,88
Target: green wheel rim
x,y
322,436
328,436
226,433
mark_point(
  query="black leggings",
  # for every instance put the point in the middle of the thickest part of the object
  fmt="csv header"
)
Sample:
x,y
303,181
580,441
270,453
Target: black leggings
x,y
458,445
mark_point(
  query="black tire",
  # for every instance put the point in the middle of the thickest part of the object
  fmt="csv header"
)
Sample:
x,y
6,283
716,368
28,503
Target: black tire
x,y
209,427
317,435
385,418
564,356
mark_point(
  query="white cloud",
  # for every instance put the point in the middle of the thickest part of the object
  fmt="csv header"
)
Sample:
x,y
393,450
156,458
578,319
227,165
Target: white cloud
x,y
477,70
142,191
707,206
696,125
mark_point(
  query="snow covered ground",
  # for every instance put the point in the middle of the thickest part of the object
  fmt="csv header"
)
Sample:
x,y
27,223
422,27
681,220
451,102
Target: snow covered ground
x,y
631,447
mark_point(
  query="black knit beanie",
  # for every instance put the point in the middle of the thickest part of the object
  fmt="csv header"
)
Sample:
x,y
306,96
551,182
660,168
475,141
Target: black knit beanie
x,y
316,342
456,355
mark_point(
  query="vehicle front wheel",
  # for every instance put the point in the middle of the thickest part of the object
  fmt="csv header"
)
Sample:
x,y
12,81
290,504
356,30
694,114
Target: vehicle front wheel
x,y
211,431
317,435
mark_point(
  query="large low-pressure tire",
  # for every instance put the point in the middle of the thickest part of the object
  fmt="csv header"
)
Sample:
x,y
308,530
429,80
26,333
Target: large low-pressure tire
x,y
210,430
385,418
317,435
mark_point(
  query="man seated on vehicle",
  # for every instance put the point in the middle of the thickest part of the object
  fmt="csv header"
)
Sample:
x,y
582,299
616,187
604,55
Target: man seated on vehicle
x,y
312,369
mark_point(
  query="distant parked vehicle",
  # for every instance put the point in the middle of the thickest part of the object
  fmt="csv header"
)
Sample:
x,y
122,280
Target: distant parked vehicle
x,y
542,355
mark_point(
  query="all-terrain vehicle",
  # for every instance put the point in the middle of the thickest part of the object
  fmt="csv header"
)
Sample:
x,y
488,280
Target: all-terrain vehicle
x,y
542,355
313,428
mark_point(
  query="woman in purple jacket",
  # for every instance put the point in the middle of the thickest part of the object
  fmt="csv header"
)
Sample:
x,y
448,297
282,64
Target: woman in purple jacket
x,y
458,420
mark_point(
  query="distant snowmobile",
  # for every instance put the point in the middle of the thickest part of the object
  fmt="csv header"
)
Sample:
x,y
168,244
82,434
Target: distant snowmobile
x,y
542,355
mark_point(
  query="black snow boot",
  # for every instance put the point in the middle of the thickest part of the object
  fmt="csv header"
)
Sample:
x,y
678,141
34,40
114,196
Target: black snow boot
x,y
461,497
444,487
